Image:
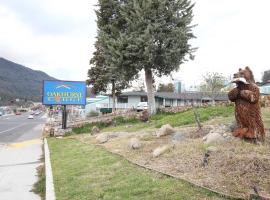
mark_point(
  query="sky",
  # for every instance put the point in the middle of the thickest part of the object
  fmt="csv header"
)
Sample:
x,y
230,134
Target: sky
x,y
58,36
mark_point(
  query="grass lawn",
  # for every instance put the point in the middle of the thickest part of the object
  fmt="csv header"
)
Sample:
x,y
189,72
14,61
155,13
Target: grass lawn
x,y
156,121
187,117
83,171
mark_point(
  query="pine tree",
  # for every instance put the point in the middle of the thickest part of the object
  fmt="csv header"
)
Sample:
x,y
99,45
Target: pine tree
x,y
106,61
166,87
155,38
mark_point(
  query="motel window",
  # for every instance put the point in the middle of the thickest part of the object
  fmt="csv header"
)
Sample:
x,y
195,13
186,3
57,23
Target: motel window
x,y
122,99
143,98
179,102
168,102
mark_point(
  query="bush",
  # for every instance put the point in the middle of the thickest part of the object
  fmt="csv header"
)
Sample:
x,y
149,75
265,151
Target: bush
x,y
92,114
124,120
86,128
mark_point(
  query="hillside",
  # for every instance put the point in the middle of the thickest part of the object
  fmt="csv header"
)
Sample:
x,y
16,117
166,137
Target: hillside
x,y
17,81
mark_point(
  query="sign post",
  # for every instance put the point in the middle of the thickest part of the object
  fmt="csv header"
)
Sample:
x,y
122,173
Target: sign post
x,y
64,93
64,117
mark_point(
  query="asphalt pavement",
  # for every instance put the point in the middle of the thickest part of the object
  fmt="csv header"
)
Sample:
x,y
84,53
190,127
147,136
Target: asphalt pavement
x,y
20,152
15,128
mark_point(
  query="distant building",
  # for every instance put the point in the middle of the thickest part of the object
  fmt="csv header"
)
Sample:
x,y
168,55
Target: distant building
x,y
94,103
129,100
264,88
179,87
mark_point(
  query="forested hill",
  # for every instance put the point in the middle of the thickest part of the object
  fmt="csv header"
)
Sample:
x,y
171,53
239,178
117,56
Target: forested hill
x,y
17,81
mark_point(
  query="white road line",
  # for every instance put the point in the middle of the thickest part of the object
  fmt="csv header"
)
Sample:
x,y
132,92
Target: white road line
x,y
12,128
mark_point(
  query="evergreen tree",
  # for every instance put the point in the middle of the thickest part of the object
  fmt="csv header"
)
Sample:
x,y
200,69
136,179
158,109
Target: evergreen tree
x,y
107,59
155,38
166,87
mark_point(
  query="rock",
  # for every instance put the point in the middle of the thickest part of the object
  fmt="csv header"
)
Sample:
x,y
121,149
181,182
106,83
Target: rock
x,y
211,149
134,143
50,120
176,137
213,138
95,130
118,134
232,126
78,125
102,138
166,129
48,131
161,150
220,129
59,132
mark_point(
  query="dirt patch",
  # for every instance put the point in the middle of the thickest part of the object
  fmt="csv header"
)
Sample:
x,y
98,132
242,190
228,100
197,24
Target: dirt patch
x,y
234,168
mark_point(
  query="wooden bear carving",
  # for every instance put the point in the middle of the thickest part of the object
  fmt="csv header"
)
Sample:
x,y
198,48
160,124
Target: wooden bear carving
x,y
246,96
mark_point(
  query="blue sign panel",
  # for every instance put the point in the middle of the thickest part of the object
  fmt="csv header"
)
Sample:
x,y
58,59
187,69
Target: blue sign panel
x,y
64,93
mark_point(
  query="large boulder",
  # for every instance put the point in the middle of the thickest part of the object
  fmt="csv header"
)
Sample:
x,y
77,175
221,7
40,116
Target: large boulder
x,y
213,138
166,129
48,131
134,143
161,150
178,137
102,138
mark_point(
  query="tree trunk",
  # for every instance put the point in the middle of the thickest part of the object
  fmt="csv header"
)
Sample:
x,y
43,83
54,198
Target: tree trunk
x,y
197,117
213,102
150,91
113,96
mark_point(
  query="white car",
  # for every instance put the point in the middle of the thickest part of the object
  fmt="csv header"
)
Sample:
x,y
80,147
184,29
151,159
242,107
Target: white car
x,y
30,117
142,106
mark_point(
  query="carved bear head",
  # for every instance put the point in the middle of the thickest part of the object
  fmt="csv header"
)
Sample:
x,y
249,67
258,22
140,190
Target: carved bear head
x,y
243,76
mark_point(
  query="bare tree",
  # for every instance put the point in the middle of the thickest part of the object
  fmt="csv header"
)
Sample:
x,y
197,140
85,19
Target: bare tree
x,y
212,84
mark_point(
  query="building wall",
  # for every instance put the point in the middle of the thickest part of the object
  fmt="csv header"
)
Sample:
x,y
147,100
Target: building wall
x,y
132,103
94,104
265,89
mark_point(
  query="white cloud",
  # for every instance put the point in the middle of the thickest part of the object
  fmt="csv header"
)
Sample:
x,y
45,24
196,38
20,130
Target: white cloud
x,y
57,36
230,34
63,55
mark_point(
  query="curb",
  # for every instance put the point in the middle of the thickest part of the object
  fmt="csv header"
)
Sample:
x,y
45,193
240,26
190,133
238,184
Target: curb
x,y
50,195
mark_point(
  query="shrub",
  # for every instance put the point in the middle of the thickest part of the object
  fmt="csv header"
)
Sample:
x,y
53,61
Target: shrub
x,y
92,114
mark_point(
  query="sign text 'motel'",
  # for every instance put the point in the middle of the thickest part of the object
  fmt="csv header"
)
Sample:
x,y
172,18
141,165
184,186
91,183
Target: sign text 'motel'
x,y
64,93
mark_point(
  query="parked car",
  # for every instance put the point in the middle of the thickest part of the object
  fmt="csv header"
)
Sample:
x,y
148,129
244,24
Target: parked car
x,y
30,117
142,106
18,113
1,113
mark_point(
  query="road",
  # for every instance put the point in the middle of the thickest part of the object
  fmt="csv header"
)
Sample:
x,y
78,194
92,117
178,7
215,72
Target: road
x,y
20,153
16,128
